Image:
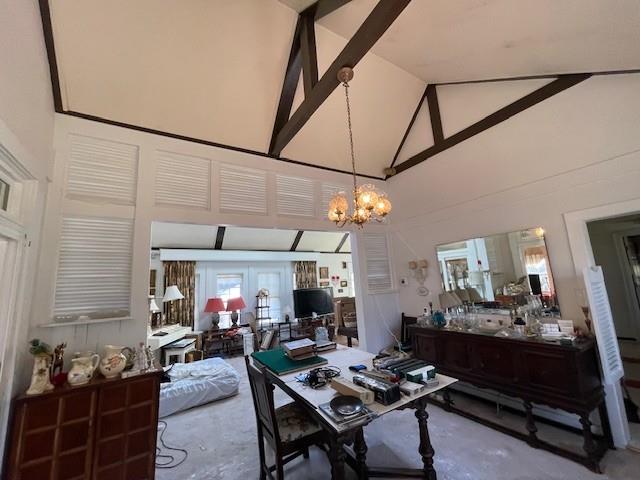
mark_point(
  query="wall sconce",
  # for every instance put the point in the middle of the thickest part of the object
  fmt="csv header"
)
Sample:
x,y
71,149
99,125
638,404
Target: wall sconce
x,y
419,272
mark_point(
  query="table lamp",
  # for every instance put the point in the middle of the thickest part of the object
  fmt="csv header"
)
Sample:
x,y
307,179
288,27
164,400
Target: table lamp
x,y
170,294
233,305
215,305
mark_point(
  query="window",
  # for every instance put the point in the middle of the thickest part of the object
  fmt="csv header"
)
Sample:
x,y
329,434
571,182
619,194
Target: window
x,y
228,285
271,281
535,259
4,195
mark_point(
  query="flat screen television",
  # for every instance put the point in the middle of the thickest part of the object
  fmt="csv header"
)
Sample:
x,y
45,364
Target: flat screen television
x,y
309,300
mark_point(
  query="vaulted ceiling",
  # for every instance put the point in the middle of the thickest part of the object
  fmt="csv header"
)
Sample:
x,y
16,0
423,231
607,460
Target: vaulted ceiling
x,y
213,70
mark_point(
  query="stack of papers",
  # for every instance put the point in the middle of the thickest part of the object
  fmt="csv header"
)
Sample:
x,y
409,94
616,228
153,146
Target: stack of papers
x,y
300,349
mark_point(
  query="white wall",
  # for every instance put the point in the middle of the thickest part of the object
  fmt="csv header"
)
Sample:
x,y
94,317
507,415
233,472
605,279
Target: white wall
x,y
575,150
144,212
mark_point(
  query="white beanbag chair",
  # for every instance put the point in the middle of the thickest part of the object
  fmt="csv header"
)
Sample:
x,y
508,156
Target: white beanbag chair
x,y
197,383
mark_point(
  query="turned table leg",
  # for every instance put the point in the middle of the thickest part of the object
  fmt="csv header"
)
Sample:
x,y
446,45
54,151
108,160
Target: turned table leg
x,y
426,450
531,426
360,449
589,445
337,458
446,396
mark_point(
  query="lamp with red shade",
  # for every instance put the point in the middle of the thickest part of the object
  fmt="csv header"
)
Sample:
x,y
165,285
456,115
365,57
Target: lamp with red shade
x,y
214,305
233,305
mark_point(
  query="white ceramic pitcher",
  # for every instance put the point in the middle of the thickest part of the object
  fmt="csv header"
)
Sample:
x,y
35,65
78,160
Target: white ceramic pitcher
x,y
82,369
113,361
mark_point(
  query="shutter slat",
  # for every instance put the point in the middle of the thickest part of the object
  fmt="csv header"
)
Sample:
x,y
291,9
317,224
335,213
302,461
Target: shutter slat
x,y
94,266
379,278
604,327
242,190
102,169
294,196
183,180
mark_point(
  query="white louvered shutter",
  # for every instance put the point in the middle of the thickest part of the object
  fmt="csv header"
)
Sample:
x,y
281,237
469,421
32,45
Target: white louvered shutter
x,y
327,191
183,180
242,190
102,170
376,249
295,196
603,325
94,267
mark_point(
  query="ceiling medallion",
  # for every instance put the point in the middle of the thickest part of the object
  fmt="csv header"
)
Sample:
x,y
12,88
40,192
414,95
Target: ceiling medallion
x,y
369,203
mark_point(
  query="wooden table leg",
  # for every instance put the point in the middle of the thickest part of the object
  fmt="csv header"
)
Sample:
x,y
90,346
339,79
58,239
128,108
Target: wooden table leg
x,y
589,446
337,457
531,426
360,449
426,450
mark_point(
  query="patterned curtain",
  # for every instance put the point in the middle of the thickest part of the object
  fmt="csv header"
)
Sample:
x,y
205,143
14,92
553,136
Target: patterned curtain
x,y
305,274
183,275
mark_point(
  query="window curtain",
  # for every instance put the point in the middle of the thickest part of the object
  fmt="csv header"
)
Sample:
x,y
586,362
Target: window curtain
x,y
183,275
306,276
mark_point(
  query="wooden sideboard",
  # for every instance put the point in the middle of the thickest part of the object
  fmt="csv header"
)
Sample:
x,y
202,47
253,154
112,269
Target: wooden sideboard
x,y
103,430
560,376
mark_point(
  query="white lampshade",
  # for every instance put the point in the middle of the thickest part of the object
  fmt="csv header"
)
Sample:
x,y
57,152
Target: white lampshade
x,y
474,296
449,300
153,306
172,293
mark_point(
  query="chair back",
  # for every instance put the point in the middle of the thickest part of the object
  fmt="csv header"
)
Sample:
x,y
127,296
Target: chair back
x,y
262,393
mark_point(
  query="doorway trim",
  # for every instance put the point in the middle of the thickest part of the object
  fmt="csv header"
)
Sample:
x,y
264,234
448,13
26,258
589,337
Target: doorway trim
x,y
582,253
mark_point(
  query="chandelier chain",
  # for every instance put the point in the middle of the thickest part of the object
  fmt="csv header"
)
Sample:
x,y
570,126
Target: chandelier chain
x,y
353,156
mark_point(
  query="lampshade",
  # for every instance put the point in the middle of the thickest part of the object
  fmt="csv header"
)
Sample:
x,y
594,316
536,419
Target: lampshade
x,y
214,305
448,300
474,296
153,306
235,304
172,293
462,294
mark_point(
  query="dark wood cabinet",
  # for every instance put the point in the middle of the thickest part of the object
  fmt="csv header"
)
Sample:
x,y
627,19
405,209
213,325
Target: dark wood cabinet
x,y
103,430
560,376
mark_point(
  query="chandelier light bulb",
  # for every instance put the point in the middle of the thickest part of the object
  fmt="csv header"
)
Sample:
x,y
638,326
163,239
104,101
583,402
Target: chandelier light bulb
x,y
368,203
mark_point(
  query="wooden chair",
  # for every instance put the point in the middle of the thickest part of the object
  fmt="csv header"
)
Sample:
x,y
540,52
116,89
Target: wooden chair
x,y
289,430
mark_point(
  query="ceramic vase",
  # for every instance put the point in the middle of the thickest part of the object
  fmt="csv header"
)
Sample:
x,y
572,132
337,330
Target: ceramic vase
x,y
40,381
113,361
82,369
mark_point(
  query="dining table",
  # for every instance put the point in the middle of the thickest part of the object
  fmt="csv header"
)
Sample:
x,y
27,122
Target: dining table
x,y
351,434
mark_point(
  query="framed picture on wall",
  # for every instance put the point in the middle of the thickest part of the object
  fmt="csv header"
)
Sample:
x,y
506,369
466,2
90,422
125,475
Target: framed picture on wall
x,y
324,284
343,283
324,272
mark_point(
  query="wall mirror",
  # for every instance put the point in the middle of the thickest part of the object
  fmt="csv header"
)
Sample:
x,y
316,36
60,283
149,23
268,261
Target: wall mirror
x,y
505,268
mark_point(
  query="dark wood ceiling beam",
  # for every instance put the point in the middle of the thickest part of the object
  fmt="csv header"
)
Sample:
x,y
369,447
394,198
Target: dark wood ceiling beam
x,y
341,244
291,77
406,132
378,21
296,241
323,8
434,114
309,56
560,84
547,76
219,238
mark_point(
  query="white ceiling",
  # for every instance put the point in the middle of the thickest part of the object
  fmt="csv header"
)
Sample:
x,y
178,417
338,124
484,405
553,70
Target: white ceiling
x,y
445,41
185,235
213,70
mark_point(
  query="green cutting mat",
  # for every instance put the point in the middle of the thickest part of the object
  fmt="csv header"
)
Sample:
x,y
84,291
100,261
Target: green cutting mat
x,y
278,362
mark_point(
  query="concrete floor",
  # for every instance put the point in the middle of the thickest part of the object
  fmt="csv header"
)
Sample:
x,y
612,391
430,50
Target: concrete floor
x,y
221,441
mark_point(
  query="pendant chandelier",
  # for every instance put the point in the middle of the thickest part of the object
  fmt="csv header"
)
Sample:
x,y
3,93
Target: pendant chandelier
x,y
369,203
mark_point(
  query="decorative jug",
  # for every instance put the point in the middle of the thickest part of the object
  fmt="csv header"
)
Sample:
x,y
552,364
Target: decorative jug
x,y
82,368
113,361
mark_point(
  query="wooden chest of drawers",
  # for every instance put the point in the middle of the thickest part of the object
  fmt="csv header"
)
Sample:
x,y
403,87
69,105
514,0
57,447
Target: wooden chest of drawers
x,y
104,430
